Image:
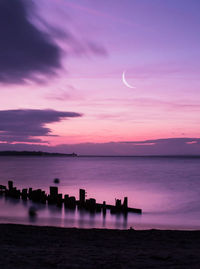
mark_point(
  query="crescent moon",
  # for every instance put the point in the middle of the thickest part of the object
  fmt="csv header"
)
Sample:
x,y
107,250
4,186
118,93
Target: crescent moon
x,y
125,82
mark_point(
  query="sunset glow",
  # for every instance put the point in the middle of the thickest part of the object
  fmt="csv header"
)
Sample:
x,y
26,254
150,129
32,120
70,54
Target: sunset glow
x,y
74,61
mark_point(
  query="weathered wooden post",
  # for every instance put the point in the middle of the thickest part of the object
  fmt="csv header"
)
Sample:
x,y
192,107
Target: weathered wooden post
x,y
91,204
2,189
118,205
104,208
30,190
66,199
125,204
53,195
59,199
10,185
24,194
82,197
43,197
72,202
53,191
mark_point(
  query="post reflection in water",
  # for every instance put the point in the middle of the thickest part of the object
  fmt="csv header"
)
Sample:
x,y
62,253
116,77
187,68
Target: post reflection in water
x,y
60,216
59,211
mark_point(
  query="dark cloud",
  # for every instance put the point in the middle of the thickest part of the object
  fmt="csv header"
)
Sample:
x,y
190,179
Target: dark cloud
x,y
24,50
27,125
30,51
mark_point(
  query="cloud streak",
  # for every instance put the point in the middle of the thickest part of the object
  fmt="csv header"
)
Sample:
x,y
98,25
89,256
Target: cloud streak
x,y
157,147
180,140
28,125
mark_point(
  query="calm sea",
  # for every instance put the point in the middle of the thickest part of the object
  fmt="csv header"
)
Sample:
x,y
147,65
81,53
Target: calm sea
x,y
166,189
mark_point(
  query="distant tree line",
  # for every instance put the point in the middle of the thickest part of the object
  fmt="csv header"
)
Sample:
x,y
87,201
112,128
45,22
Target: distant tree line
x,y
35,153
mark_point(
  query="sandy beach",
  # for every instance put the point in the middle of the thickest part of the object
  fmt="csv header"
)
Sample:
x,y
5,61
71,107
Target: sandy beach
x,y
24,246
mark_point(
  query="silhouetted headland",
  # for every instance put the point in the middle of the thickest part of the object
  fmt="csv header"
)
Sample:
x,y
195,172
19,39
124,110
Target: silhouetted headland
x,y
36,153
58,199
56,154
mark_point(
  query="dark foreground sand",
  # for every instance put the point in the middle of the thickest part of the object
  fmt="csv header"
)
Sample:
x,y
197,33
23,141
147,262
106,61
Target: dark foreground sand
x,y
48,247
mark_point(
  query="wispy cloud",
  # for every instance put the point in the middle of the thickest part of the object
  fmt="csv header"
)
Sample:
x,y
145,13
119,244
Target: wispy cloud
x,y
181,140
66,93
105,15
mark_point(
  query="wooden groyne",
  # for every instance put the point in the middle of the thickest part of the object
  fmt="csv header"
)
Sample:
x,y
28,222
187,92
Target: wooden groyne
x,y
58,199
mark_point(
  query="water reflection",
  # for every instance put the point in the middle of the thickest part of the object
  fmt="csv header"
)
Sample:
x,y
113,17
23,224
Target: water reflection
x,y
59,216
17,211
12,201
32,215
166,189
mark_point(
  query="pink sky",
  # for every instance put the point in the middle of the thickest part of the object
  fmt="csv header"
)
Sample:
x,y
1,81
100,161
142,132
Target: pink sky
x,y
156,42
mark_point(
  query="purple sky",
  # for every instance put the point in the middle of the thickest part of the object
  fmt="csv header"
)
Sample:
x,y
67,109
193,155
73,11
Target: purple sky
x,y
61,65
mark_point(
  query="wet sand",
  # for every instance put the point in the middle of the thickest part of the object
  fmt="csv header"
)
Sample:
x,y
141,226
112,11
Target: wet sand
x,y
24,246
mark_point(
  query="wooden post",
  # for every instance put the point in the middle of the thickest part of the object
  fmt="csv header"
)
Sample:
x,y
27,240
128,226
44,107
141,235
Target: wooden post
x,y
10,185
82,197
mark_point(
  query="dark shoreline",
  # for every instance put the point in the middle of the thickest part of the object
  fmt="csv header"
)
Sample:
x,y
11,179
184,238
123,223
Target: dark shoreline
x,y
35,154
24,246
56,154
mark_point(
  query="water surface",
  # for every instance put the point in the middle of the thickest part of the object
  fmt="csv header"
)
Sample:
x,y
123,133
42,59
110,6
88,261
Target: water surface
x,y
167,190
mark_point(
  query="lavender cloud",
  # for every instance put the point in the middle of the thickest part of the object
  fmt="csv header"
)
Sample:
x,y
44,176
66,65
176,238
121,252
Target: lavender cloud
x,y
28,125
178,140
